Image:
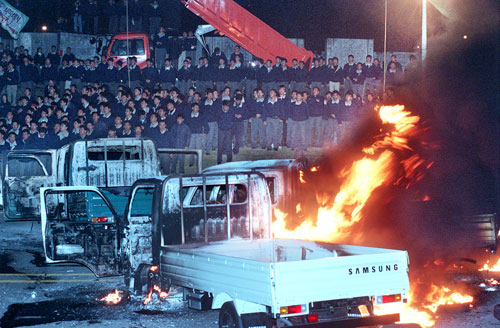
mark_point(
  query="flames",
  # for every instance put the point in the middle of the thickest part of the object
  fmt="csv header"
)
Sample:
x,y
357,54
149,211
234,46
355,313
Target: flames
x,y
158,291
112,298
389,160
154,289
491,268
338,213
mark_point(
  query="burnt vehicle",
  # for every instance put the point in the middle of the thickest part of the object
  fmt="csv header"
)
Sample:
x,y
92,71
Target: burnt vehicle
x,y
111,164
282,178
211,235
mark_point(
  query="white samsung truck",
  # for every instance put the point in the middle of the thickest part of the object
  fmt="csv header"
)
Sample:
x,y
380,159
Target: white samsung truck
x,y
210,234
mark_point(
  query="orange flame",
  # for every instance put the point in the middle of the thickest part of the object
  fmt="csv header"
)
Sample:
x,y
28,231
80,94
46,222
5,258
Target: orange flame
x,y
493,268
155,289
360,179
301,176
425,317
338,213
114,297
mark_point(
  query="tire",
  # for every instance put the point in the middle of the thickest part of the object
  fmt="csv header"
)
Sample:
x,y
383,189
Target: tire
x,y
228,317
496,311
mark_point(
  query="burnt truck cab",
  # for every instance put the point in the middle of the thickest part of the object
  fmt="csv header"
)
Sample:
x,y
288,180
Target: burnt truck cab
x,y
111,164
281,175
138,46
81,224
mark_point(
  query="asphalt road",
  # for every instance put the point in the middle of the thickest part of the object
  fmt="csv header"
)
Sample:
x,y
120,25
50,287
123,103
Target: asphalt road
x,y
33,293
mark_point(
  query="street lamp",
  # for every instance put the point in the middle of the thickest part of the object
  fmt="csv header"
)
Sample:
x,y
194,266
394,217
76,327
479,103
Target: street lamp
x,y
424,29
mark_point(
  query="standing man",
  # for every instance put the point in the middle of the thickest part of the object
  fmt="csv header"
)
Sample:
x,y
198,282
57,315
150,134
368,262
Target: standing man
x,y
77,17
168,75
349,69
273,117
209,110
181,137
315,106
225,135
198,126
298,115
316,77
240,113
257,131
149,75
28,75
160,42
12,82
91,17
154,16
185,76
335,75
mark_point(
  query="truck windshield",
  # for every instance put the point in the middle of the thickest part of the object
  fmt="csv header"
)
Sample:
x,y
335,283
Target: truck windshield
x,y
135,47
30,166
115,153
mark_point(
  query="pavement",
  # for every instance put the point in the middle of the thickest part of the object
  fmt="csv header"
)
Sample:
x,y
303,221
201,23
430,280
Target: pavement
x,y
33,293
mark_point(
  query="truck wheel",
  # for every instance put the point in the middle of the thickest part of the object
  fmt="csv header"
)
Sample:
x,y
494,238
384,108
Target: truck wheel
x,y
496,311
228,317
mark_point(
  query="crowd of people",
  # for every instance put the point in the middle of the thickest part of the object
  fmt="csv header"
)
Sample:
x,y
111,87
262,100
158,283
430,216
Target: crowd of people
x,y
93,16
223,104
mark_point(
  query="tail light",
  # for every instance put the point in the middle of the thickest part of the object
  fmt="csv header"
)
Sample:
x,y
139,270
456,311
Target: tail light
x,y
293,309
102,219
312,317
388,299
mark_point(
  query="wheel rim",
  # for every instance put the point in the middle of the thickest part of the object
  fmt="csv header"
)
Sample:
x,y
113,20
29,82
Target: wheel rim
x,y
227,321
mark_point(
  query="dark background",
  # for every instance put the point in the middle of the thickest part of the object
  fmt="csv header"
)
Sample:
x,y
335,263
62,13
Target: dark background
x,y
312,20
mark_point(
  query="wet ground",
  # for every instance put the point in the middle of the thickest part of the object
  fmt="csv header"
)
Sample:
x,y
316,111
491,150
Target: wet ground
x,y
33,293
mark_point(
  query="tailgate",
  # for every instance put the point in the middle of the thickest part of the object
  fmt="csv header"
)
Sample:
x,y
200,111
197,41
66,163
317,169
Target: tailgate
x,y
301,282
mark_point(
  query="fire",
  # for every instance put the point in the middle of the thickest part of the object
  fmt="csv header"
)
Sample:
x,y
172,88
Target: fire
x,y
381,164
301,176
337,214
444,296
494,268
155,289
426,316
114,297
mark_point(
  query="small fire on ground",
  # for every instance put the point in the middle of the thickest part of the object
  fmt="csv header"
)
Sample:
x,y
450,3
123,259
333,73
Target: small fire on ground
x,y
113,298
154,290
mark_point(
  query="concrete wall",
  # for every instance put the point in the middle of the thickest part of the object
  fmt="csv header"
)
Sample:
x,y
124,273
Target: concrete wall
x,y
342,48
227,46
79,43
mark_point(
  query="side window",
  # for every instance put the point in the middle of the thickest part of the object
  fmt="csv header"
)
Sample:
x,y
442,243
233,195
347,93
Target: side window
x,y
271,185
197,199
221,196
239,194
142,204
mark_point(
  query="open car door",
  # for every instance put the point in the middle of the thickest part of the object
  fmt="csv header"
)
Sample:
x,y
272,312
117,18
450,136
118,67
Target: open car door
x,y
79,224
25,172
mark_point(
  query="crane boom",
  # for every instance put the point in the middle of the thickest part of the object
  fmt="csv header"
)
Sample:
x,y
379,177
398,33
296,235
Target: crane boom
x,y
258,38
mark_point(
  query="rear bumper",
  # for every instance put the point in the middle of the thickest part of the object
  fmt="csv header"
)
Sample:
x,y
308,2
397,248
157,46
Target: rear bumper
x,y
355,322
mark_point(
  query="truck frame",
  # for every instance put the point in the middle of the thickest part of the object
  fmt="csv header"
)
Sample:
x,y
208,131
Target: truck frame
x,y
210,234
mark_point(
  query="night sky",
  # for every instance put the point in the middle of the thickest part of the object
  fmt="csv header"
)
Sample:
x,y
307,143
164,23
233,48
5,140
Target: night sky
x,y
312,20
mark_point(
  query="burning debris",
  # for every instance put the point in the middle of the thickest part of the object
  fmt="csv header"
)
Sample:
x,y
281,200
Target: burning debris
x,y
154,291
113,298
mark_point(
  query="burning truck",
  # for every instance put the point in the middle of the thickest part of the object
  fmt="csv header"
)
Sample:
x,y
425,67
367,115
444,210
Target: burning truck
x,y
211,234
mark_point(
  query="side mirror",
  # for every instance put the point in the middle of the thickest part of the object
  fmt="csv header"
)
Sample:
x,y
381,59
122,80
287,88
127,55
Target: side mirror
x,y
92,40
99,46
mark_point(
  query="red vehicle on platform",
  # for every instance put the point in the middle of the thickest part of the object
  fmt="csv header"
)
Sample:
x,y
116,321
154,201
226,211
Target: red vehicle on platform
x,y
138,46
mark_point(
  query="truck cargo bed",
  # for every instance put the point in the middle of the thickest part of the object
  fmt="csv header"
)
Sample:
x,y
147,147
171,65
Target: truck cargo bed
x,y
271,272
